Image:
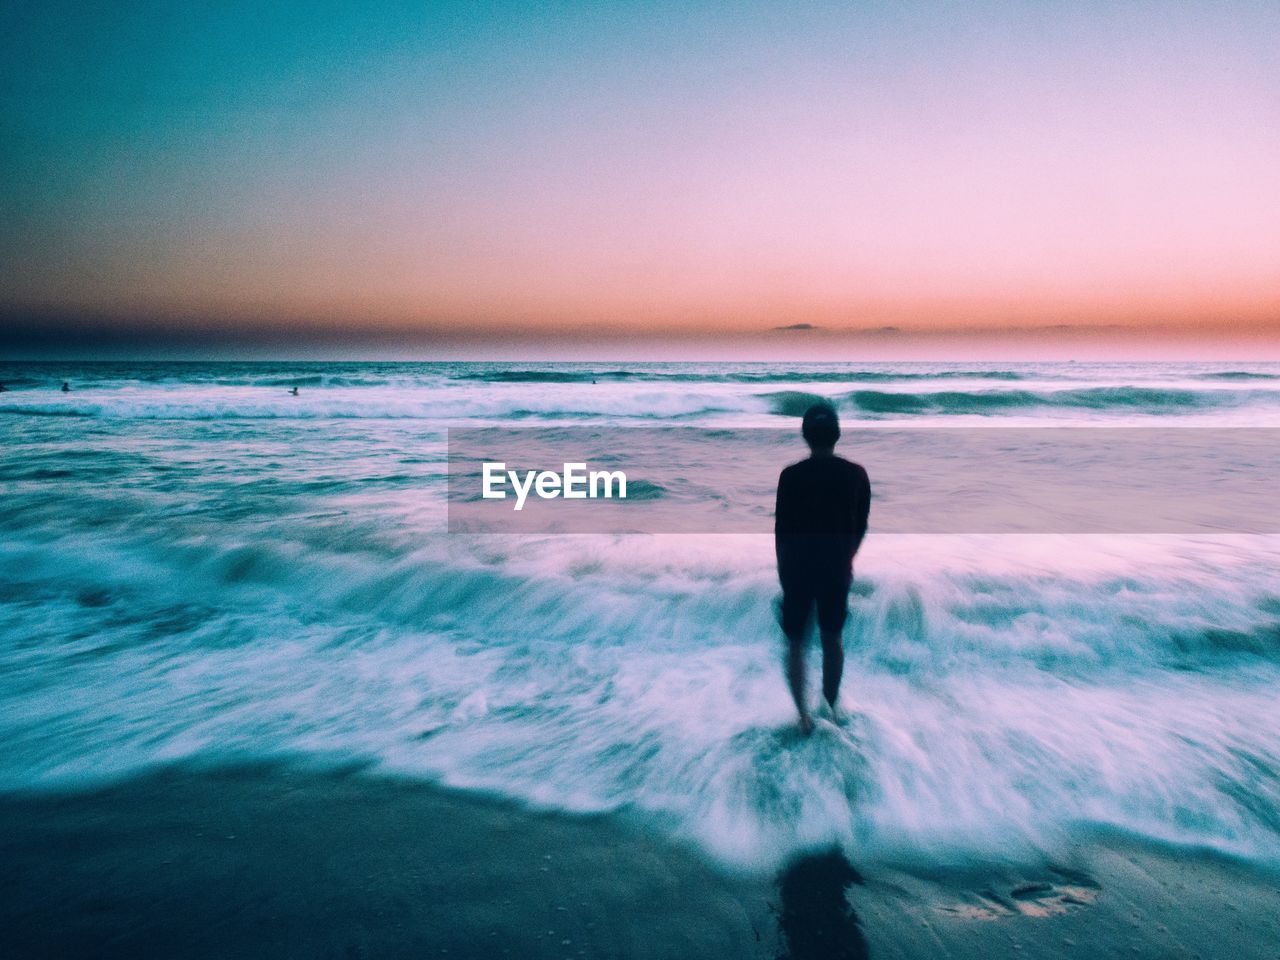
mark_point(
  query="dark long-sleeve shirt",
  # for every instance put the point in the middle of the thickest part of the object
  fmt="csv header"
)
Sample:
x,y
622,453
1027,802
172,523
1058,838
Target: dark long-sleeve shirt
x,y
820,516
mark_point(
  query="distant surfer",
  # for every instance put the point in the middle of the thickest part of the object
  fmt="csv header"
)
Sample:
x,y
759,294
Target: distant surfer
x,y
66,387
819,523
293,392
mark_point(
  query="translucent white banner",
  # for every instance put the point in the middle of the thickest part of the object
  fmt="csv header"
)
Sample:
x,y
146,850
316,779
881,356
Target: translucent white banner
x,y
955,480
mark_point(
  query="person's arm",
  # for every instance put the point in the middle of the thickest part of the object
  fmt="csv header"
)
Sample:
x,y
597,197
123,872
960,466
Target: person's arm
x,y
782,522
861,511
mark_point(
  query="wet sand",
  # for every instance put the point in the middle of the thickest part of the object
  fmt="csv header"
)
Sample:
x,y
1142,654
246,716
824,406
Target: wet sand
x,y
268,861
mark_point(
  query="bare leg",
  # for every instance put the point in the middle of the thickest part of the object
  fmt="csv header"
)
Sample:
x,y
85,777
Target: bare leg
x,y
795,679
832,668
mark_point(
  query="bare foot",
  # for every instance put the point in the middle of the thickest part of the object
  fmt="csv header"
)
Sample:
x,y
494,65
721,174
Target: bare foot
x,y
836,716
806,724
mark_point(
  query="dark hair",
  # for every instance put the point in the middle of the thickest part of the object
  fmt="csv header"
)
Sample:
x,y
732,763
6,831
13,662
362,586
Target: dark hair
x,y
821,426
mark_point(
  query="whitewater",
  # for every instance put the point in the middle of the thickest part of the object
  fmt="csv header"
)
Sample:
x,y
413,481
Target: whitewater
x,y
198,567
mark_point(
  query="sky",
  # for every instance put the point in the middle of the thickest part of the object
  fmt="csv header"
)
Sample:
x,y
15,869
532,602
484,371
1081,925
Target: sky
x,y
512,176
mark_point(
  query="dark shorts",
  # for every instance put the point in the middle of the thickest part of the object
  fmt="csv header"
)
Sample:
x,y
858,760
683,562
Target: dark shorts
x,y
828,591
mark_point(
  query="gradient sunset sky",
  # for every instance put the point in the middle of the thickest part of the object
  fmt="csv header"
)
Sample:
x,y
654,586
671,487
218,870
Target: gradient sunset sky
x,y
487,175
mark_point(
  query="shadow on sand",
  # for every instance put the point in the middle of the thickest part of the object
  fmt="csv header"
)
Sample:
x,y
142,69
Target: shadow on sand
x,y
816,919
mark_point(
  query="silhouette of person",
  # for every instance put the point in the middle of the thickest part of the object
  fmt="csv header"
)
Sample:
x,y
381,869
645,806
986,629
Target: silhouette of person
x,y
66,387
293,392
819,522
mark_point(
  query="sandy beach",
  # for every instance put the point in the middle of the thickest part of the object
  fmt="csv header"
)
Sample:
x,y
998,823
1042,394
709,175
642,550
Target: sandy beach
x,y
268,861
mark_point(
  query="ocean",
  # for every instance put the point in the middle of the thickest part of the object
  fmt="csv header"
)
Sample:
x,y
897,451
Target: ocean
x,y
198,567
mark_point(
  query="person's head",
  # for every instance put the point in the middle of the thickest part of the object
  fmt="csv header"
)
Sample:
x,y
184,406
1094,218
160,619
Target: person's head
x,y
820,427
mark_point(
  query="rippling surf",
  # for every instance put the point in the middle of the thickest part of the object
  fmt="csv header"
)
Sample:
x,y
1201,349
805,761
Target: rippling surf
x,y
196,565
